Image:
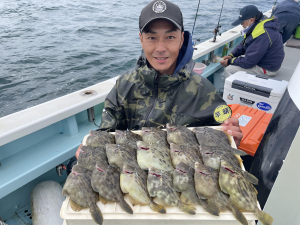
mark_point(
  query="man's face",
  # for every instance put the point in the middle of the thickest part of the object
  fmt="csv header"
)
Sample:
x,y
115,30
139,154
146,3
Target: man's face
x,y
161,42
248,22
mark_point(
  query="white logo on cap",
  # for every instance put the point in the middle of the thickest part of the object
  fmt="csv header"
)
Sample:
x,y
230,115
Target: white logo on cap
x,y
159,7
241,16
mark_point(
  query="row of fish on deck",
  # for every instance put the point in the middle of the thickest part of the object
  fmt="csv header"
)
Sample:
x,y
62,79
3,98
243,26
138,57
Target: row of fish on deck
x,y
207,172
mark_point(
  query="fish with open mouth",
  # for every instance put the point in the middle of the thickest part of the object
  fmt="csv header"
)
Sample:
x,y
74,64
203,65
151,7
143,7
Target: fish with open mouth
x,y
89,156
241,191
187,154
106,181
98,138
212,157
78,187
134,182
181,135
154,154
160,185
127,137
207,187
154,134
183,180
120,154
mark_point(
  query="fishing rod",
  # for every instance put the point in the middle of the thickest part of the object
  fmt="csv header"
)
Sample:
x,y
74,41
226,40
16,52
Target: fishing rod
x,y
195,20
217,29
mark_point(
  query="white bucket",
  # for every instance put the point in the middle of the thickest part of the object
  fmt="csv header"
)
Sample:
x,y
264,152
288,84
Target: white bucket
x,y
199,67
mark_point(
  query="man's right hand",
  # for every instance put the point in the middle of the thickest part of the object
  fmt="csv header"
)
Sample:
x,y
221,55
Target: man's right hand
x,y
227,57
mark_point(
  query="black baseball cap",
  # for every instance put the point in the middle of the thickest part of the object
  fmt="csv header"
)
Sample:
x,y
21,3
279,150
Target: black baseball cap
x,y
161,9
246,13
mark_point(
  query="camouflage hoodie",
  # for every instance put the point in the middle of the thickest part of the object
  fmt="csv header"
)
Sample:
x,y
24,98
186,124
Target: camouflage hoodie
x,y
141,98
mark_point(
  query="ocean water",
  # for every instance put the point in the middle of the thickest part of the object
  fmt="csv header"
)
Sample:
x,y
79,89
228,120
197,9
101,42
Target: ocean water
x,y
52,48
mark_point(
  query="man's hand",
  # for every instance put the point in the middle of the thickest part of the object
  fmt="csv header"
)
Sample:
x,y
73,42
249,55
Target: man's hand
x,y
227,57
232,127
224,62
78,151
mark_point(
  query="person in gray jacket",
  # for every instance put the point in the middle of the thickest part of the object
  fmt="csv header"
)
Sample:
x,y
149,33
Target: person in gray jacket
x,y
288,14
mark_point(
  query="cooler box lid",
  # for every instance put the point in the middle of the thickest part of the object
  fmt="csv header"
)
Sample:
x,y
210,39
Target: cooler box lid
x,y
257,84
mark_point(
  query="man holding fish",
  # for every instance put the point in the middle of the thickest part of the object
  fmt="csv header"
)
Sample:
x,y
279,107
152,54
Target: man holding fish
x,y
162,88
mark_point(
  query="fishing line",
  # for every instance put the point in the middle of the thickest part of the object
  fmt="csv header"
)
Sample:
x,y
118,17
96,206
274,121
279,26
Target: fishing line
x,y
196,17
216,30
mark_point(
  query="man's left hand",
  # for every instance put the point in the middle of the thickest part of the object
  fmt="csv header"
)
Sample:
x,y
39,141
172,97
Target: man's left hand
x,y
224,62
232,127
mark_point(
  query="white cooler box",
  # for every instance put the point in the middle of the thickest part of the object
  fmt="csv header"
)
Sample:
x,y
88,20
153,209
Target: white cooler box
x,y
256,91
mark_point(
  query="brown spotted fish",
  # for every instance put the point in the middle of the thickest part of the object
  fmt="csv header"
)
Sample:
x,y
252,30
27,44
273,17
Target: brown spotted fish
x,y
182,153
215,138
89,156
98,138
208,136
78,187
183,181
156,155
241,191
207,187
160,185
181,135
212,157
127,137
154,134
134,182
120,154
106,181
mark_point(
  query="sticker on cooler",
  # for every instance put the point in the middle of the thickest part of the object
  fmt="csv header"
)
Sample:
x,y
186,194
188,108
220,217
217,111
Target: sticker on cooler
x,y
264,106
243,120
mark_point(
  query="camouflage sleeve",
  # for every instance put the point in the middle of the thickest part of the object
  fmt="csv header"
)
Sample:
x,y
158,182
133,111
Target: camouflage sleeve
x,y
113,115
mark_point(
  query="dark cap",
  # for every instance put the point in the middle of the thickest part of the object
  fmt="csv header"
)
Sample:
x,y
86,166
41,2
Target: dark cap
x,y
246,13
161,9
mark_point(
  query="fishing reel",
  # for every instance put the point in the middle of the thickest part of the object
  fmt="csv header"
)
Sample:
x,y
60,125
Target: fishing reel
x,y
216,31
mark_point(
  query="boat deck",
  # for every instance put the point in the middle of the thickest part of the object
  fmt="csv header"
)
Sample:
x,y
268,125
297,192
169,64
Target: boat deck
x,y
291,60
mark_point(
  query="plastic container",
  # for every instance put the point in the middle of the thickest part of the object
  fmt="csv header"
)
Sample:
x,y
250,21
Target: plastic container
x,y
225,50
256,91
143,215
253,123
199,67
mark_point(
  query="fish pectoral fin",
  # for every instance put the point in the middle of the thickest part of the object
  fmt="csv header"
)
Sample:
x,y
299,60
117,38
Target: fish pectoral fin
x,y
251,178
236,212
157,208
124,205
76,207
96,214
209,207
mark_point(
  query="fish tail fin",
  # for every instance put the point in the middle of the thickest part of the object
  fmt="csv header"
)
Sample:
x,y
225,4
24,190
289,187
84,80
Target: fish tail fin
x,y
96,214
265,218
124,205
209,207
189,209
250,178
237,213
157,208
238,152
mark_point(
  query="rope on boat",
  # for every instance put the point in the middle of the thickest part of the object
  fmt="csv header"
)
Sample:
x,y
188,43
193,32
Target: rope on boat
x,y
216,30
196,17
